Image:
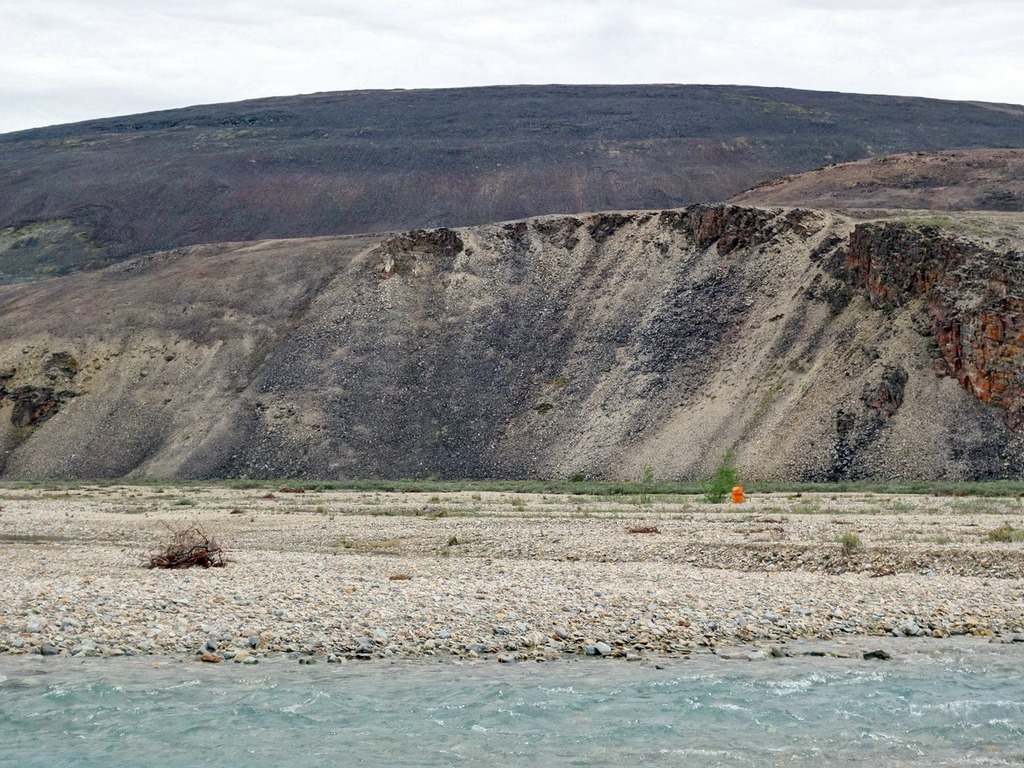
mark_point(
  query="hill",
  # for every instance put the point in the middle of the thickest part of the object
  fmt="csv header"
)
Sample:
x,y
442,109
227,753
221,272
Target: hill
x,y
974,180
90,194
816,345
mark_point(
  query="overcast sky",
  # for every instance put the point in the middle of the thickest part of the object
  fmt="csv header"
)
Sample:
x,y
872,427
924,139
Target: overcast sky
x,y
68,60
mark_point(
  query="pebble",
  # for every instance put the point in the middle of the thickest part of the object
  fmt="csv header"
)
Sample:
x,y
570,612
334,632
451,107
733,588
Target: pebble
x,y
909,629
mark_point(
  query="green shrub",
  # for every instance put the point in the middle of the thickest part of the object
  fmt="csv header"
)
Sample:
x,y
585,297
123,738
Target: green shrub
x,y
726,476
1005,533
644,497
850,541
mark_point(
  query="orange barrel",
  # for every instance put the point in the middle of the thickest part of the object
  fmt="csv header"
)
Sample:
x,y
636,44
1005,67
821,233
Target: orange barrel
x,y
737,495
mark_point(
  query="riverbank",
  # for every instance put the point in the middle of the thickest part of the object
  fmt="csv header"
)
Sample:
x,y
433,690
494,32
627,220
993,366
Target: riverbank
x,y
350,575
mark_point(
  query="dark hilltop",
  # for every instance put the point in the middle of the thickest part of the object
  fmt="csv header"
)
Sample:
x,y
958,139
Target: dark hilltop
x,y
92,193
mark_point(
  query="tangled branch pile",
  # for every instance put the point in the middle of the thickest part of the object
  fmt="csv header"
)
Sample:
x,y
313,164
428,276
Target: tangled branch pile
x,y
188,548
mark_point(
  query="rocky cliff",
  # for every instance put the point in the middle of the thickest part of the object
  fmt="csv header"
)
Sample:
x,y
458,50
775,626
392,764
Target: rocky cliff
x,y
970,299
814,345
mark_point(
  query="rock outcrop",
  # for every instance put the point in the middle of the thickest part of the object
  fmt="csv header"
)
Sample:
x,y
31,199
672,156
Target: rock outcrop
x,y
972,296
37,395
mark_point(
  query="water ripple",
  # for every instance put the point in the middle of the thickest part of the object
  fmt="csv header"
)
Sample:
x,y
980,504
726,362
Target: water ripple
x,y
601,714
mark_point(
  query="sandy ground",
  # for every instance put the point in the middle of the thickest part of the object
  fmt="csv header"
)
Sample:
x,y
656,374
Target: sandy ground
x,y
351,575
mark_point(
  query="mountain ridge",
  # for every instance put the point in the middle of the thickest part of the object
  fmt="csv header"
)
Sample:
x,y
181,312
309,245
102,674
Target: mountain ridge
x,y
89,194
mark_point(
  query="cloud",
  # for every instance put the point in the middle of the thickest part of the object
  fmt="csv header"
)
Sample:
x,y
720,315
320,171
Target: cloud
x,y
67,60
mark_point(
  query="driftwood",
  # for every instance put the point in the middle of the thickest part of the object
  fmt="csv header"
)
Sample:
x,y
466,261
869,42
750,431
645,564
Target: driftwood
x,y
188,548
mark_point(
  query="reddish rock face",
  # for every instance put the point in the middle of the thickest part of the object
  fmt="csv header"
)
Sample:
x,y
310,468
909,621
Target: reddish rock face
x,y
972,296
731,227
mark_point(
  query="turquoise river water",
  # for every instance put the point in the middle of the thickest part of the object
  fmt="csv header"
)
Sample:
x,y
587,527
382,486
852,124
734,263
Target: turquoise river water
x,y
958,707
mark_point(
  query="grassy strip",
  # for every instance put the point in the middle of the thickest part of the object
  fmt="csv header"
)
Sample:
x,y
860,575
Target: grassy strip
x,y
995,488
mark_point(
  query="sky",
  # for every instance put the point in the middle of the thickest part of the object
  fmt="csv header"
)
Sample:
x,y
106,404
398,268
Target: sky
x,y
68,60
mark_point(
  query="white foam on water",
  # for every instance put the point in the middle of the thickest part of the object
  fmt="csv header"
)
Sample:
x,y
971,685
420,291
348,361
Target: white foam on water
x,y
727,707
185,684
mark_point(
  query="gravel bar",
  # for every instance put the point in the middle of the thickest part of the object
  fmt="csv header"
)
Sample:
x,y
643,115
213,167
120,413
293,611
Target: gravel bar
x,y
339,576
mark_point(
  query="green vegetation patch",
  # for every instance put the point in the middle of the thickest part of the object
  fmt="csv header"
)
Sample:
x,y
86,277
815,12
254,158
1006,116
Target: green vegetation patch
x,y
1005,533
850,542
42,249
935,222
726,476
1003,495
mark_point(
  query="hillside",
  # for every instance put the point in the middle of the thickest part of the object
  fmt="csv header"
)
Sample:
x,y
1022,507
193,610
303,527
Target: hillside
x,y
973,180
817,346
90,194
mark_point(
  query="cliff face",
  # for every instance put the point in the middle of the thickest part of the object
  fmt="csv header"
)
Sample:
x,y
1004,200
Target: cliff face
x,y
815,346
972,296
